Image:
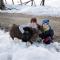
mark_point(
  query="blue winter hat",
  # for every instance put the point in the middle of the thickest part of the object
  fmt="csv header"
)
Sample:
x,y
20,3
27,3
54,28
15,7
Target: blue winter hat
x,y
45,21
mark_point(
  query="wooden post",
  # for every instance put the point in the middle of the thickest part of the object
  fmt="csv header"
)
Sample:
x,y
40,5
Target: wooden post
x,y
2,6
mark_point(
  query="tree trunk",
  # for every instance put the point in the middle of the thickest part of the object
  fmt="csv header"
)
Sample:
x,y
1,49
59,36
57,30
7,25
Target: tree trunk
x,y
2,6
13,2
42,2
31,2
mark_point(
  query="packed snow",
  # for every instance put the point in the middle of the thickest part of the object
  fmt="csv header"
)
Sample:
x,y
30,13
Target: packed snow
x,y
17,50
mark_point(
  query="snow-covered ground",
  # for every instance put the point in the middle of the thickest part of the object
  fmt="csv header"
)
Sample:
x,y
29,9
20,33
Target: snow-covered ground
x,y
51,8
32,10
17,50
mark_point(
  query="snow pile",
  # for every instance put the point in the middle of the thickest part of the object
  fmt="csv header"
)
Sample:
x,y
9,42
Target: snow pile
x,y
32,10
17,50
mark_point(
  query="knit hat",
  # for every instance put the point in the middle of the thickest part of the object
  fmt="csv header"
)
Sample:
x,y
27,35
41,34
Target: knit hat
x,y
45,21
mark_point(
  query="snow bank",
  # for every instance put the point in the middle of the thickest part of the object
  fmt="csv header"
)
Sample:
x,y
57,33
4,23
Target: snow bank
x,y
17,50
32,10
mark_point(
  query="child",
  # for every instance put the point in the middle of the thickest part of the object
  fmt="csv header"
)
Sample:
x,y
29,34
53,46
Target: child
x,y
33,23
48,32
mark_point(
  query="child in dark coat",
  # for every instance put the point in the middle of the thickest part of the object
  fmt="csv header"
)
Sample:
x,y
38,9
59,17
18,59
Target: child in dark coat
x,y
47,33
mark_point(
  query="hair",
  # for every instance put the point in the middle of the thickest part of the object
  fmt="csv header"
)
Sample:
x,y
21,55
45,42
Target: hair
x,y
33,20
